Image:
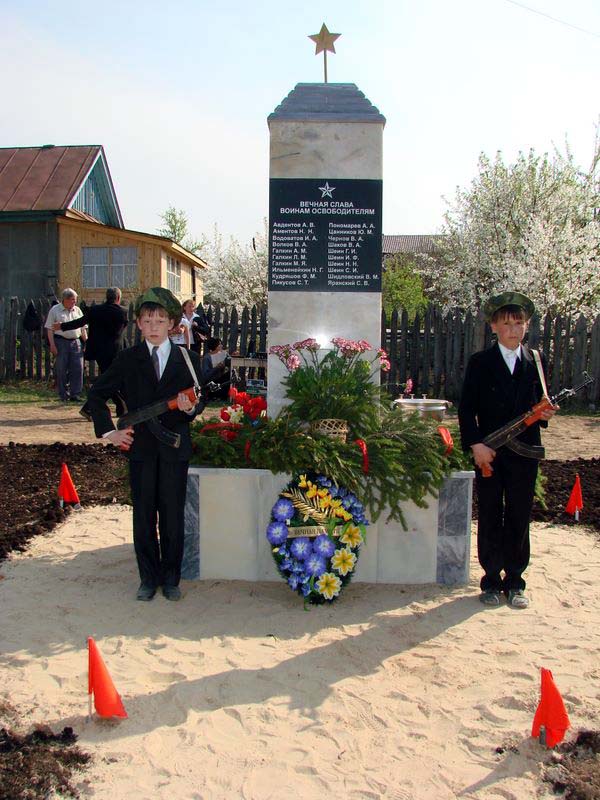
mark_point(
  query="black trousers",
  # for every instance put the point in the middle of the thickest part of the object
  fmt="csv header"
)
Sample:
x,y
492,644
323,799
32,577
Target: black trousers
x,y
504,508
158,490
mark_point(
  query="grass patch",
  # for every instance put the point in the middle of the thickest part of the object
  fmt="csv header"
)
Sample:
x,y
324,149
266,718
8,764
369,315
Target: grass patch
x,y
26,392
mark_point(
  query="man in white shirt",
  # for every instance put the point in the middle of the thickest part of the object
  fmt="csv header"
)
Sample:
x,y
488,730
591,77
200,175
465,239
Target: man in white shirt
x,y
67,347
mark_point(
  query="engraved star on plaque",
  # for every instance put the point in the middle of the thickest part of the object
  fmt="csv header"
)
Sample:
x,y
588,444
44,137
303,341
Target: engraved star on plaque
x,y
326,191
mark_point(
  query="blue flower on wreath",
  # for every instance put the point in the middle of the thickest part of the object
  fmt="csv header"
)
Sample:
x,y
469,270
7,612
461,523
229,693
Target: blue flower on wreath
x,y
288,563
301,547
294,581
277,533
306,590
323,546
283,510
298,567
323,481
283,550
315,564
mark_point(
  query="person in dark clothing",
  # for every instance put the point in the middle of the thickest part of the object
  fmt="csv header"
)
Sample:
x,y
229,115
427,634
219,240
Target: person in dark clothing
x,y
147,373
216,376
502,383
106,322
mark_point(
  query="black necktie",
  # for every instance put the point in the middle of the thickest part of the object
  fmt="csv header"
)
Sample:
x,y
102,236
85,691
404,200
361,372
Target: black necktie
x,y
155,362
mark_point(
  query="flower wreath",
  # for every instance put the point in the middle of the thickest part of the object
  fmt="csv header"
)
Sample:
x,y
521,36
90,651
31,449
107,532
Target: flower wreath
x,y
315,533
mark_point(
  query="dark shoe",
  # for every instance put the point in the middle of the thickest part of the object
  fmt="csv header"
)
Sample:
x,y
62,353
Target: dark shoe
x,y
85,413
490,598
516,599
171,592
75,398
145,592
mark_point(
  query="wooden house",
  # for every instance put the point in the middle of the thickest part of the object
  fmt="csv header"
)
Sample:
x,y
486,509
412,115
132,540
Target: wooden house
x,y
60,225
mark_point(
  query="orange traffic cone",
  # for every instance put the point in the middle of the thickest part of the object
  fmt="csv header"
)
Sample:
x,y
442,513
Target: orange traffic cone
x,y
67,493
107,700
575,502
551,720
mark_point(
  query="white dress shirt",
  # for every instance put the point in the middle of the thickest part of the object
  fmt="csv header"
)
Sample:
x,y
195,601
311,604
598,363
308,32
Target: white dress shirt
x,y
510,356
164,351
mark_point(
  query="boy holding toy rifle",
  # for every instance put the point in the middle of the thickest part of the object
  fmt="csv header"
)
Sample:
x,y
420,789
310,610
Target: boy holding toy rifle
x,y
160,384
500,384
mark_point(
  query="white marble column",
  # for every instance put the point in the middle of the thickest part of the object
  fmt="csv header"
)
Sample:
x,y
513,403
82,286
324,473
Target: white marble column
x,y
328,132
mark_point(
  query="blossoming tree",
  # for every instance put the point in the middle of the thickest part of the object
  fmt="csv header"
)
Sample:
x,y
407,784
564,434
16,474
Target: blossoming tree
x,y
533,224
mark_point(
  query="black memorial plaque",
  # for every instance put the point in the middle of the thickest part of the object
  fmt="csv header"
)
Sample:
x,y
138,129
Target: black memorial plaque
x,y
324,235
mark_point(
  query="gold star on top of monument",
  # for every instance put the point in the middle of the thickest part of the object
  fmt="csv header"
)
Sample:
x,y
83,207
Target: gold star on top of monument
x,y
324,40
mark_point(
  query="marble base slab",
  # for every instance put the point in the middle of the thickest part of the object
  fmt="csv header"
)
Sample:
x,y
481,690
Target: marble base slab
x,y
227,512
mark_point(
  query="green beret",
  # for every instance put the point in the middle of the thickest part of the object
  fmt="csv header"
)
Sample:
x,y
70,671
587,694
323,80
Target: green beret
x,y
508,299
162,297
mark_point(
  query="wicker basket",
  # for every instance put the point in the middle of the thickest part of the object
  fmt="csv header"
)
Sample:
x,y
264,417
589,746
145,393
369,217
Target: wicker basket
x,y
336,428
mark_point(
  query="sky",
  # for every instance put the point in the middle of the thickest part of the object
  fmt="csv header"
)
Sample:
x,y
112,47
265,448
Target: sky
x,y
179,94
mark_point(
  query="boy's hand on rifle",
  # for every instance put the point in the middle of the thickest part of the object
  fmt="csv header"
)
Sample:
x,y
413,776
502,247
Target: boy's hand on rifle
x,y
184,403
483,456
122,439
549,412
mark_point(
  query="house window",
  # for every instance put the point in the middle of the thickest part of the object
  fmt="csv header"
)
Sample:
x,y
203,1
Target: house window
x,y
173,275
109,266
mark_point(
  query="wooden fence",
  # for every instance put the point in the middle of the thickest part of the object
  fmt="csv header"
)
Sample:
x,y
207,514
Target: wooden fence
x,y
432,350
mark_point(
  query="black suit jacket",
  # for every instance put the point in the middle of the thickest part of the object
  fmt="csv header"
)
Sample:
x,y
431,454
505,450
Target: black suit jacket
x,y
106,321
132,375
489,399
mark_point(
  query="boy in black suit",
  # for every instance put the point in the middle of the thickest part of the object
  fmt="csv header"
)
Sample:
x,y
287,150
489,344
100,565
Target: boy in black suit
x,y
502,383
151,371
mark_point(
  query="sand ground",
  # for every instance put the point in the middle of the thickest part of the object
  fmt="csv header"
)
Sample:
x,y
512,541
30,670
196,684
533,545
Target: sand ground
x,y
394,692
404,692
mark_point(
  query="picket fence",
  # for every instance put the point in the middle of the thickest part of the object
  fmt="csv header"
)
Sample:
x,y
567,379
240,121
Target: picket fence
x,y
432,350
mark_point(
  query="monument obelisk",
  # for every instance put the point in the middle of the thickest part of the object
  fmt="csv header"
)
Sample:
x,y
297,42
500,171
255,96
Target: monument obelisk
x,y
325,222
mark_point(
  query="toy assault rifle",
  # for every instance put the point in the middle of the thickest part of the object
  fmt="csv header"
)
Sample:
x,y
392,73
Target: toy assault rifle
x,y
150,413
507,433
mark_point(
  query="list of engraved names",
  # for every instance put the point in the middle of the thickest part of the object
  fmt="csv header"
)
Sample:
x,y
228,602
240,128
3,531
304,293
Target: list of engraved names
x,y
325,235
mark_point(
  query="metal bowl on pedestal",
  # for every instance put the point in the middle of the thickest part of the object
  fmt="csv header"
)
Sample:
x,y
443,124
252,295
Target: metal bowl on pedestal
x,y
424,406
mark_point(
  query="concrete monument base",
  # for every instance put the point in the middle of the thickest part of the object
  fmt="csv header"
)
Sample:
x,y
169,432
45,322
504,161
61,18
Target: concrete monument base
x,y
227,512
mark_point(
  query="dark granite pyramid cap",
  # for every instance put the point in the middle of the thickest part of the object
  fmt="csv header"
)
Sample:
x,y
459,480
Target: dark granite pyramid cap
x,y
327,102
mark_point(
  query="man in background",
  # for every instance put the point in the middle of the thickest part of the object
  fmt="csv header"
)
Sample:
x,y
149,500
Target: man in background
x,y
106,321
67,347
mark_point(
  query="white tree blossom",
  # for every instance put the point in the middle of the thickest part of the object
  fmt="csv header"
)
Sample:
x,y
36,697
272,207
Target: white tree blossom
x,y
237,274
533,226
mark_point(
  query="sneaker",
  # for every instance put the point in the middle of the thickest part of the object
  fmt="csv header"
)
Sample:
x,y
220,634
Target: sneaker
x,y
517,599
490,598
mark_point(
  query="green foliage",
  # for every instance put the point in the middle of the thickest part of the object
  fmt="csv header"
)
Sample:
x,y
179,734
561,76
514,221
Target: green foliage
x,y
175,227
25,391
406,457
334,383
403,286
539,493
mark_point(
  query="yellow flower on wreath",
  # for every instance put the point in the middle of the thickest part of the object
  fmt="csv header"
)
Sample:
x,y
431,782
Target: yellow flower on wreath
x,y
342,514
329,585
343,561
303,483
352,536
312,490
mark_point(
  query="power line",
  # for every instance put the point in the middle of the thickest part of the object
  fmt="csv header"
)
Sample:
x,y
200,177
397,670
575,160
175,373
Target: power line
x,y
554,19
